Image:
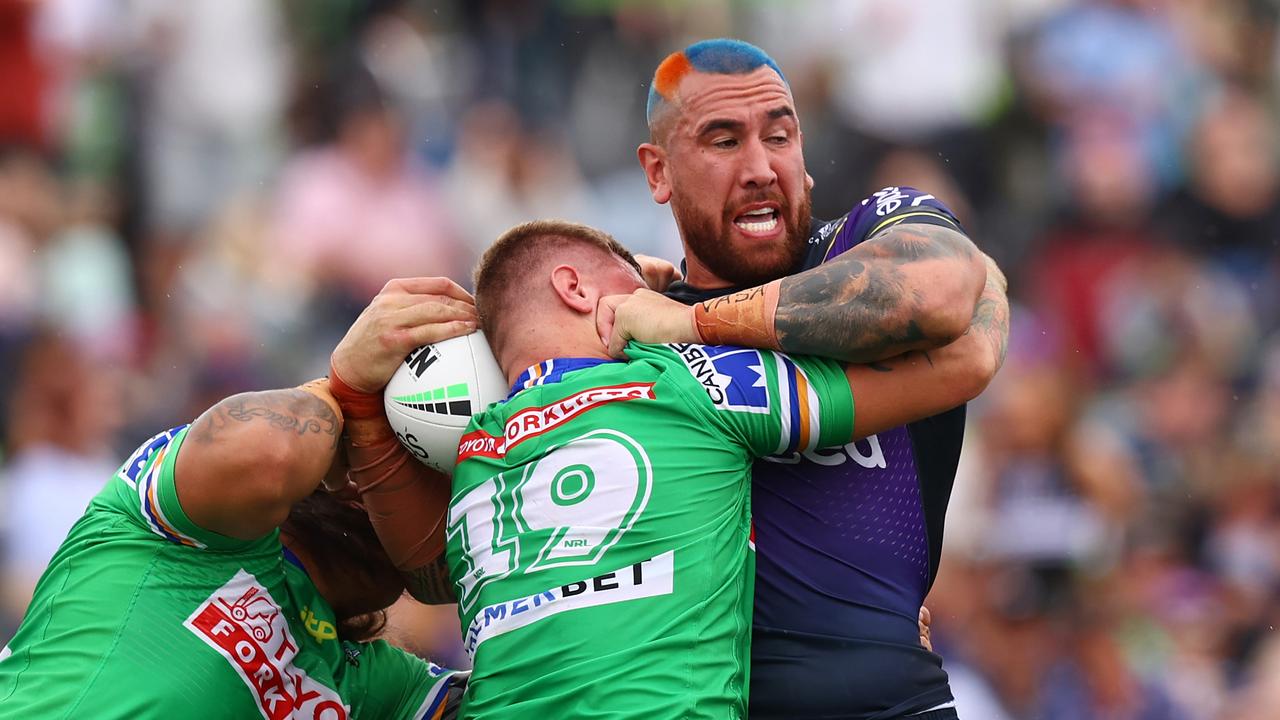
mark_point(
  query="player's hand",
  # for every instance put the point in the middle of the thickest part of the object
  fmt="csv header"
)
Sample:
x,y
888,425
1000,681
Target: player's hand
x,y
923,621
646,316
408,313
658,274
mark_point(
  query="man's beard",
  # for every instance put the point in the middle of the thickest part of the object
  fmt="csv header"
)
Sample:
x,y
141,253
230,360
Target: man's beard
x,y
715,251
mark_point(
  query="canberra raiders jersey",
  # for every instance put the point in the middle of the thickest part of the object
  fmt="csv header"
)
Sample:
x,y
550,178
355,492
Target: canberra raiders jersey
x,y
599,528
849,537
141,613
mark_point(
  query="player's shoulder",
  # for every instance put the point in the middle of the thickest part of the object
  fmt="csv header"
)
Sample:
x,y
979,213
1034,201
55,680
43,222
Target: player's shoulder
x,y
147,459
882,209
730,377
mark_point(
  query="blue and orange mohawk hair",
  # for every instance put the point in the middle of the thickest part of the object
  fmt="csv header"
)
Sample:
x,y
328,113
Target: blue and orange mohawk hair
x,y
724,56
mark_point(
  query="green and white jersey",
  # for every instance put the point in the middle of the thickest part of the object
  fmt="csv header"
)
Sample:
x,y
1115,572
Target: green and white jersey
x,y
599,528
143,614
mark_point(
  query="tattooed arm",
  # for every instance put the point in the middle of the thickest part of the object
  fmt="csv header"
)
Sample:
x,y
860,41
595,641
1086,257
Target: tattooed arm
x,y
923,383
246,460
911,287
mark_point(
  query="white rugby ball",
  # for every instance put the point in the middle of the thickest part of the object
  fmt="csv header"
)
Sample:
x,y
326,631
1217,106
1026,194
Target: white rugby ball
x,y
436,390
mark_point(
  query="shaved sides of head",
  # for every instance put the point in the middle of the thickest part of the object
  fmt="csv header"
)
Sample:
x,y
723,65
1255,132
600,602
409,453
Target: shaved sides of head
x,y
723,56
508,273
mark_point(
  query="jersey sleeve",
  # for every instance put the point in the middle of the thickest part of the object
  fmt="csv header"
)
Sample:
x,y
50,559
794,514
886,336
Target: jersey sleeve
x,y
884,209
391,683
148,495
769,402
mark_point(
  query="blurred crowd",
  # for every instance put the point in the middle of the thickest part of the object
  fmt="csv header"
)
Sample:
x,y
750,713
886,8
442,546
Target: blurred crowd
x,y
197,197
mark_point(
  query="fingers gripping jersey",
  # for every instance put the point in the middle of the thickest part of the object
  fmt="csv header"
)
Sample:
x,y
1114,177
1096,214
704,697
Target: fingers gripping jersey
x,y
599,529
142,613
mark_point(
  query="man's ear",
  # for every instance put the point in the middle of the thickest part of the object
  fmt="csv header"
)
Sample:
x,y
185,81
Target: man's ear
x,y
568,285
653,160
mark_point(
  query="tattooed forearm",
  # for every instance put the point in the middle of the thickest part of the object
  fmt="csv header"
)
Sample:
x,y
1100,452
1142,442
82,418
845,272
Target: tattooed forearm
x,y
295,411
430,583
904,289
903,244
991,316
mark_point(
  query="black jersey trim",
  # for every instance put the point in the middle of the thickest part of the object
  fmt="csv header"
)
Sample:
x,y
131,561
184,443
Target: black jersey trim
x,y
936,443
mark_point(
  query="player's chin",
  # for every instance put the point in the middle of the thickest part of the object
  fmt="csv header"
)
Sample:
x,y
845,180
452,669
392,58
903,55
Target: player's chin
x,y
762,264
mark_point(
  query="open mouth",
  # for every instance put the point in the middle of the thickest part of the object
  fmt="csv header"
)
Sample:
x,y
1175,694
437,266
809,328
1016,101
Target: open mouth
x,y
760,221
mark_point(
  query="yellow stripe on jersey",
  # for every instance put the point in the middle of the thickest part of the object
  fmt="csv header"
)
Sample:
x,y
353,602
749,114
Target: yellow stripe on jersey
x,y
835,234
890,222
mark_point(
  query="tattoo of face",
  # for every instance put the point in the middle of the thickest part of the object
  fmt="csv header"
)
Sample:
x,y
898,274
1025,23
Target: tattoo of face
x,y
295,411
430,583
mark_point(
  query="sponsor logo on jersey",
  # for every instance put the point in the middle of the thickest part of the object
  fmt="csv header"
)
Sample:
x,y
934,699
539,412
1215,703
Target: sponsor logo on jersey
x,y
421,359
733,377
648,578
890,199
451,400
535,421
317,628
873,457
245,624
827,230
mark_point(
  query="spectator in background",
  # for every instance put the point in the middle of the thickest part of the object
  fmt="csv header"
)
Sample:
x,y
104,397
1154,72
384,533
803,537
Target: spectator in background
x,y
358,210
1103,229
505,173
1122,58
214,74
30,211
86,278
921,74
1229,213
63,423
23,75
217,94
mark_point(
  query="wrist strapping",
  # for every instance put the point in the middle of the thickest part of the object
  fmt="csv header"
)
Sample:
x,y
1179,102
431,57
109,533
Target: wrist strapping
x,y
743,318
320,389
406,502
364,413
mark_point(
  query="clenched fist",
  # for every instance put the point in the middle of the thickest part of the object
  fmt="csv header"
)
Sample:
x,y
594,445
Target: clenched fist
x,y
644,316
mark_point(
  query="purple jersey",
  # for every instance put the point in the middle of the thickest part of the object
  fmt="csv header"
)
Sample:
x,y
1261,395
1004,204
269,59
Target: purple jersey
x,y
848,539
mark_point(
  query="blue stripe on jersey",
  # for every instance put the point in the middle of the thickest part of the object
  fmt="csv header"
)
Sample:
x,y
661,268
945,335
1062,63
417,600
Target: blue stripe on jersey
x,y
147,490
793,402
549,371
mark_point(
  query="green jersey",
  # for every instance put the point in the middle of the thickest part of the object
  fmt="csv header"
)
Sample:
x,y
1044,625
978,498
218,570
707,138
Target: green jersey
x,y
143,614
599,529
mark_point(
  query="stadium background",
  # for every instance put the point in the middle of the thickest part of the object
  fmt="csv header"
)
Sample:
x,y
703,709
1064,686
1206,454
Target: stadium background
x,y
196,197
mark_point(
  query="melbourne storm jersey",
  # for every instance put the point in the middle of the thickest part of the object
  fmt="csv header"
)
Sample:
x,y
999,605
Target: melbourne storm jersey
x,y
142,613
598,533
849,537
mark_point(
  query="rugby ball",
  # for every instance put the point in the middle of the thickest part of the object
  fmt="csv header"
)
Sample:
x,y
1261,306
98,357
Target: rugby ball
x,y
434,393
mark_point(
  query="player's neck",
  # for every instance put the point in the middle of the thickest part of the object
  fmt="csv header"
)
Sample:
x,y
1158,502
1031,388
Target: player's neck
x,y
554,346
699,276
